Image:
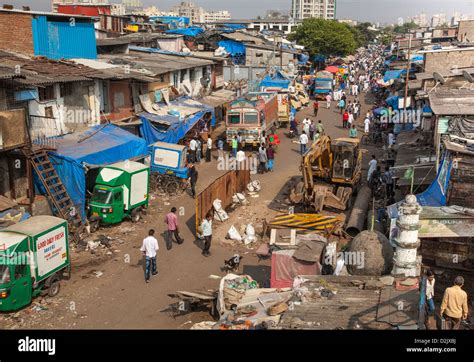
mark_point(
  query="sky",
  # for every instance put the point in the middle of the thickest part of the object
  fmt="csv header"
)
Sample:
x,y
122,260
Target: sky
x,y
384,11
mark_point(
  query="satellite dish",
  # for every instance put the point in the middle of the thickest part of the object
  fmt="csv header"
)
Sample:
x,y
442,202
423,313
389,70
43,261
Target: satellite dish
x,y
468,76
439,78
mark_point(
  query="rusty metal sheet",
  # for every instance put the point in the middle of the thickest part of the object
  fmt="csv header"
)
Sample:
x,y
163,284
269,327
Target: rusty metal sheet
x,y
223,188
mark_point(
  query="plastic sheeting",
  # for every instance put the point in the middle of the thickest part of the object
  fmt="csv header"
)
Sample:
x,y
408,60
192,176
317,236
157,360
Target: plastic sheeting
x,y
159,51
393,102
393,74
235,26
278,80
232,47
285,269
100,146
192,31
173,134
435,195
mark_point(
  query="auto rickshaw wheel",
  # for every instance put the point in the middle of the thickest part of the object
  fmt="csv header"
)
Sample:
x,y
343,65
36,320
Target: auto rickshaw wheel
x,y
136,215
54,287
94,225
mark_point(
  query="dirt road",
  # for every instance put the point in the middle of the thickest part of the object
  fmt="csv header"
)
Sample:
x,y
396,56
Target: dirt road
x,y
109,291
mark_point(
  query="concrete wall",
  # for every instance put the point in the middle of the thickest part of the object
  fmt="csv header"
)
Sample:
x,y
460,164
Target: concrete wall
x,y
262,57
466,31
193,85
16,33
444,61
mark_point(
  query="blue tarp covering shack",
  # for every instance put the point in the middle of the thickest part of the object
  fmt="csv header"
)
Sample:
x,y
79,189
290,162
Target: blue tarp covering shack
x,y
192,31
232,47
435,194
393,102
172,128
393,74
278,81
99,146
235,26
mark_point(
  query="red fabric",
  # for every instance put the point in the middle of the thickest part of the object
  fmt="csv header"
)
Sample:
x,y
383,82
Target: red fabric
x,y
345,116
285,268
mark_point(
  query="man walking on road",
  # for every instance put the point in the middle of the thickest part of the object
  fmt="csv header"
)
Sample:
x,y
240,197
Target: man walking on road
x,y
207,234
262,157
372,167
320,128
454,304
209,149
270,157
149,249
235,145
220,149
193,177
171,220
303,143
192,148
345,119
316,108
353,131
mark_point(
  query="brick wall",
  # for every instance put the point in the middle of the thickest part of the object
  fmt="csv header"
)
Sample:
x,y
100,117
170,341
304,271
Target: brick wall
x,y
16,33
444,61
466,31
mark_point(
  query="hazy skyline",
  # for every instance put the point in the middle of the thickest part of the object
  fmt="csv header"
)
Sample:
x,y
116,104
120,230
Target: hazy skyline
x,y
385,11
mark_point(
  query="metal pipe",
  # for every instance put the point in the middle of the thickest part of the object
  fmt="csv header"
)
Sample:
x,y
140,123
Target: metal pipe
x,y
359,212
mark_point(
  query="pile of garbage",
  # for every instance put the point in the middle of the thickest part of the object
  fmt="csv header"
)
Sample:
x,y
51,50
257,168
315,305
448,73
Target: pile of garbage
x,y
234,289
249,234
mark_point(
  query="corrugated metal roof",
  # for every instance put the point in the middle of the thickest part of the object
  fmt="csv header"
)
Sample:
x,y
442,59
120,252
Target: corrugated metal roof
x,y
243,37
46,13
452,103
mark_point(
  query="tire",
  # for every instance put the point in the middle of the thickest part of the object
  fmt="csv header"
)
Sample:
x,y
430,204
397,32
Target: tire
x,y
136,215
94,226
54,287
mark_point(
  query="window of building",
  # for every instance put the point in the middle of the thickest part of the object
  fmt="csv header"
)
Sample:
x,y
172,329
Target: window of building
x,y
192,75
48,112
259,55
183,75
46,93
65,89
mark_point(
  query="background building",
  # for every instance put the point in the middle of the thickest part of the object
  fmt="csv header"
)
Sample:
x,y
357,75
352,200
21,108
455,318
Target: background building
x,y
190,10
216,16
439,20
305,9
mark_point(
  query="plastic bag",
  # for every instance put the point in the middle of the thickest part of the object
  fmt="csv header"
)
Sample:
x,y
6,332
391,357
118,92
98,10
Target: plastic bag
x,y
239,198
234,234
220,213
254,186
249,235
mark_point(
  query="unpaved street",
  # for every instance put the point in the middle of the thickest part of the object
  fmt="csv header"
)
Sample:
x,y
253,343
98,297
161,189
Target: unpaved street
x,y
109,291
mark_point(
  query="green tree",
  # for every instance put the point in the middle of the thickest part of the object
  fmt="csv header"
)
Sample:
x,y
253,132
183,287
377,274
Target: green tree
x,y
405,28
327,37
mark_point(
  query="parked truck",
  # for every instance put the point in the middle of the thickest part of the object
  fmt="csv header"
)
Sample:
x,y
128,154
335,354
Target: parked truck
x,y
284,103
251,116
34,256
323,84
120,191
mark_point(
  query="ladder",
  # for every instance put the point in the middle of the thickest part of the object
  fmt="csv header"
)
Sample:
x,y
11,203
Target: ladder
x,y
62,205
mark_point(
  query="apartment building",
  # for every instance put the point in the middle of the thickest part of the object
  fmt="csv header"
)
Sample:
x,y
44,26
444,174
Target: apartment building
x,y
305,9
216,16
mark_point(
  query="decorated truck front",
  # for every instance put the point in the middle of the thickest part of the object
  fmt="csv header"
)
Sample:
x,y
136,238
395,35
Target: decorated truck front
x,y
250,117
121,191
323,84
33,256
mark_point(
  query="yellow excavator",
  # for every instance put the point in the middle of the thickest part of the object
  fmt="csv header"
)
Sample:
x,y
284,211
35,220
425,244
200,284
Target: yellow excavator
x,y
331,172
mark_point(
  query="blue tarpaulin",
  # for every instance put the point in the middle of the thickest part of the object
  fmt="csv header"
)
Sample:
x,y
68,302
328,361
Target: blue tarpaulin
x,y
393,74
172,128
232,47
158,51
173,21
192,31
393,102
235,26
100,146
277,81
303,58
435,195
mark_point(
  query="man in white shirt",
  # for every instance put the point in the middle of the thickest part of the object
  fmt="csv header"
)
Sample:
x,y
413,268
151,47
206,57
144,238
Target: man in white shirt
x,y
351,119
366,125
207,234
149,249
372,167
303,142
193,147
240,158
209,149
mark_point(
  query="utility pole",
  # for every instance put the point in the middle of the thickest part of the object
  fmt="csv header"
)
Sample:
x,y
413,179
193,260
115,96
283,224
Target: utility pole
x,y
408,76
